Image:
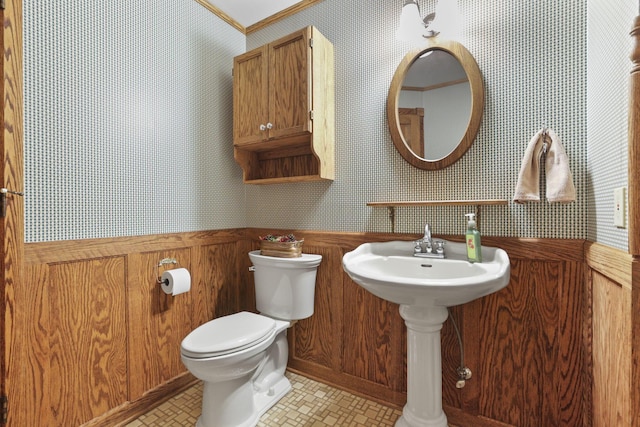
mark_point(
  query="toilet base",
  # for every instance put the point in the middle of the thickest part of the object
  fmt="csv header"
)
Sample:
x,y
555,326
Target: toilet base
x,y
263,401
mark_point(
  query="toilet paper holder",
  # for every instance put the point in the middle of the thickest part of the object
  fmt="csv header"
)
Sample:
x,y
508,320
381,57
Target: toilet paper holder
x,y
163,262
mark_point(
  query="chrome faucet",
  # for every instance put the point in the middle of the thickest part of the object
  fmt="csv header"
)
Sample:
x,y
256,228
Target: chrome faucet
x,y
427,247
427,237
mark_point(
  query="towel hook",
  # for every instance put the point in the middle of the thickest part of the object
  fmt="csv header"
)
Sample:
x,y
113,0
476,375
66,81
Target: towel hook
x,y
545,128
546,139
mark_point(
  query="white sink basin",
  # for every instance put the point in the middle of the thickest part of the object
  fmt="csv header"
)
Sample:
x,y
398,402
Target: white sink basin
x,y
390,271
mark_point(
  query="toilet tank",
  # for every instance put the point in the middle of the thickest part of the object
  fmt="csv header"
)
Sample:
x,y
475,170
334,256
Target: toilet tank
x,y
285,287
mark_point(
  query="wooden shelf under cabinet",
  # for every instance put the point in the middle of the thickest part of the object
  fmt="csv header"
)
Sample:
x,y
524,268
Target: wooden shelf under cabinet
x,y
283,110
276,163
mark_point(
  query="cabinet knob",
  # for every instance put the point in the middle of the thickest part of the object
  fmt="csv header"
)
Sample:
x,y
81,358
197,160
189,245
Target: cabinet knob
x,y
269,125
263,127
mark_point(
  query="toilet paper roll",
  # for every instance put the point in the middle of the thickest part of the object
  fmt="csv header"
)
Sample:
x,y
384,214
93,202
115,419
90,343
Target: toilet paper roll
x,y
176,281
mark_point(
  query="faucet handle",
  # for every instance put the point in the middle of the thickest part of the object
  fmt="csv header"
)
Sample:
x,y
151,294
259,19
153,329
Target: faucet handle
x,y
439,246
417,248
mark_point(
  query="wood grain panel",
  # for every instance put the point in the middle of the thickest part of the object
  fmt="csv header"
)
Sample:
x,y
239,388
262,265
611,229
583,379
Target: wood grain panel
x,y
290,78
75,250
88,347
451,357
314,338
635,343
612,263
216,288
523,248
371,328
294,166
634,143
291,10
30,351
571,362
525,344
250,95
611,353
131,410
157,322
519,348
16,298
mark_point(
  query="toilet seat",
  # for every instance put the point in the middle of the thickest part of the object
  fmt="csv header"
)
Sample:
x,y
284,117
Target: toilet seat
x,y
228,334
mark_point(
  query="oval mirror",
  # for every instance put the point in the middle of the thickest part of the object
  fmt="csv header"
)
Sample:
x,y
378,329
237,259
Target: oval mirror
x,y
435,105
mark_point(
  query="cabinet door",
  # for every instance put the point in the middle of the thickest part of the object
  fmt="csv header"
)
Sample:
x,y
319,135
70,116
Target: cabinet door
x,y
250,94
290,85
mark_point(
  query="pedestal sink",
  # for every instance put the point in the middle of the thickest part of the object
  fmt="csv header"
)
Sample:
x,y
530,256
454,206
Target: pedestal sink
x,y
424,288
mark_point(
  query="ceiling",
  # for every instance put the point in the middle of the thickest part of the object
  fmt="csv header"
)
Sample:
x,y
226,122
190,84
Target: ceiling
x,y
248,12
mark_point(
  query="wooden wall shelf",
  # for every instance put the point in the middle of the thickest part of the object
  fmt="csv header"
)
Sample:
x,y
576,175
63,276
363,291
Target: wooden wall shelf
x,y
480,202
391,206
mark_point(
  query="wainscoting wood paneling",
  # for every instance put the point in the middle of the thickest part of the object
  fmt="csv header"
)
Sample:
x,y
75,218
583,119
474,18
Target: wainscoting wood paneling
x,y
611,352
87,339
529,345
611,278
529,360
635,341
219,264
157,322
75,250
97,340
315,338
29,353
524,344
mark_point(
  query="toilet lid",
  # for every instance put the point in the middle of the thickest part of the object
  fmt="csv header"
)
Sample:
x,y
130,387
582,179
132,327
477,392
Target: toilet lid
x,y
227,334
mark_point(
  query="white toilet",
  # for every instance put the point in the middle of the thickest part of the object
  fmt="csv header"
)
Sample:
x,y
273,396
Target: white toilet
x,y
241,358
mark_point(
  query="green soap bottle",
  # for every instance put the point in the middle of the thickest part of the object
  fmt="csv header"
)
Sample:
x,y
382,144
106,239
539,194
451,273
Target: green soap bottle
x,y
474,247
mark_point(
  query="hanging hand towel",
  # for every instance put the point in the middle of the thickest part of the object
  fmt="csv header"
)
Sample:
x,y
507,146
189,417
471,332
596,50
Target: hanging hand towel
x,y
559,181
528,186
560,186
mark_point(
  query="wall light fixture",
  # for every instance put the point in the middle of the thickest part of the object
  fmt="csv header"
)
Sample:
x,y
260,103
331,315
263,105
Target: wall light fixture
x,y
445,21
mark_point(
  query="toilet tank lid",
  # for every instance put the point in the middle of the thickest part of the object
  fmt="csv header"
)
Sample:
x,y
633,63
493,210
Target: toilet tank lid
x,y
228,333
305,261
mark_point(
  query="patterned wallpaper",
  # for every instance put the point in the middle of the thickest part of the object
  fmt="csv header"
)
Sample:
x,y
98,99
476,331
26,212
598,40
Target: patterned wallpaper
x,y
128,119
128,125
608,49
533,59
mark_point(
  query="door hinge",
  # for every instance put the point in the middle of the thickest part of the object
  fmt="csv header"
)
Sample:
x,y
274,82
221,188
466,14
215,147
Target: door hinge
x,y
310,40
311,115
3,4
4,409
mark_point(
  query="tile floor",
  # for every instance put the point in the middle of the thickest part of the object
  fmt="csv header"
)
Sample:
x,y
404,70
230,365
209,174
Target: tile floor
x,y
309,404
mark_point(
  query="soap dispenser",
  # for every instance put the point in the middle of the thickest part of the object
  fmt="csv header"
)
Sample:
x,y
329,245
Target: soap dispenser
x,y
474,248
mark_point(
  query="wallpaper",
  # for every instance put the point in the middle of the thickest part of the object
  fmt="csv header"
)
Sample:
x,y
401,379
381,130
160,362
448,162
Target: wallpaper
x,y
534,76
609,47
128,119
128,127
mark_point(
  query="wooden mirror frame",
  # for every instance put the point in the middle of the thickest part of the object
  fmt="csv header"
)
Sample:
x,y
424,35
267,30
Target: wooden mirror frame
x,y
472,70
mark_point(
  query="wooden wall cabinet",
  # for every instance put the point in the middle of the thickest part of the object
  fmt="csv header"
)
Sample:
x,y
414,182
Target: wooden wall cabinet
x,y
284,110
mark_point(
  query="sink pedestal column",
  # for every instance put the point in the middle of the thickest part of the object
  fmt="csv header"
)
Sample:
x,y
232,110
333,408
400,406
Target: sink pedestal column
x,y
424,367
